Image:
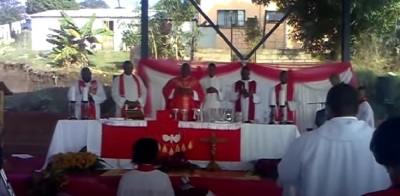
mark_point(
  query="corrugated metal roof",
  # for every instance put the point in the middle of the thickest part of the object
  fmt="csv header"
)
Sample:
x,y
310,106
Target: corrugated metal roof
x,y
86,13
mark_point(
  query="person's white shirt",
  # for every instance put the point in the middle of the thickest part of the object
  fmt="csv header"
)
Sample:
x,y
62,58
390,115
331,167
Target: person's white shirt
x,y
366,114
245,102
131,90
332,160
145,183
75,94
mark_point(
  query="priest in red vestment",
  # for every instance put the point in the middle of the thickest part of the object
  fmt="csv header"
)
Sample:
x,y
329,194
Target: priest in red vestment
x,y
281,94
183,92
246,96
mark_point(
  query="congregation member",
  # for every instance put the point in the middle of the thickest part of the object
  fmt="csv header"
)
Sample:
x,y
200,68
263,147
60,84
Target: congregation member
x,y
385,145
90,90
246,96
320,116
128,91
145,180
365,111
335,159
282,92
184,91
213,93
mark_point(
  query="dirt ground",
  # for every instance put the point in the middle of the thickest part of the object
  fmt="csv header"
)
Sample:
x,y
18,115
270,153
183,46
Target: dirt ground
x,y
44,91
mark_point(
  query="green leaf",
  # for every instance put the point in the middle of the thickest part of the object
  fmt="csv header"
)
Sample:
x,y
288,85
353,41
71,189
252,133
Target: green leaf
x,y
87,28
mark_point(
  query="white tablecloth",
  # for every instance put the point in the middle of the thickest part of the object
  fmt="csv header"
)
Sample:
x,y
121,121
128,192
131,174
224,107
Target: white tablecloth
x,y
257,140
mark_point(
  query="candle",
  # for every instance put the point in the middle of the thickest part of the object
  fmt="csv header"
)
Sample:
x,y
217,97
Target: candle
x,y
72,95
282,98
273,98
85,94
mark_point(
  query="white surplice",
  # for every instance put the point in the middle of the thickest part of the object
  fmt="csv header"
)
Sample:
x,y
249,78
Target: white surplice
x,y
149,183
131,92
333,160
246,101
366,113
98,98
212,100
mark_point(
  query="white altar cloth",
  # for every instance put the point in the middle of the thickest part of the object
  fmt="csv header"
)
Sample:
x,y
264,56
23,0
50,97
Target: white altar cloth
x,y
258,141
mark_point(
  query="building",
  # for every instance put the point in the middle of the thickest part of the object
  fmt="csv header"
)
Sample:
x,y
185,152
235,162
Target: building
x,y
231,17
111,18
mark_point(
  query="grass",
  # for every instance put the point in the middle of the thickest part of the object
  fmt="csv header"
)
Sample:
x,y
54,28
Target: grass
x,y
103,61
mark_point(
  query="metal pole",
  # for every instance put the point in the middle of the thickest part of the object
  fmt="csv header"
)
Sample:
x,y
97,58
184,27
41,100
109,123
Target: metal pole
x,y
266,36
144,50
215,27
230,15
346,30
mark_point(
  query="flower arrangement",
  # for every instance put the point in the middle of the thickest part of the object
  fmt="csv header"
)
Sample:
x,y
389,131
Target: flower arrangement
x,y
55,177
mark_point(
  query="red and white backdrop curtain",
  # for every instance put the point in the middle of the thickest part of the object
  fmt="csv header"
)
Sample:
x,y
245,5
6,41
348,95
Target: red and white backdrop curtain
x,y
310,82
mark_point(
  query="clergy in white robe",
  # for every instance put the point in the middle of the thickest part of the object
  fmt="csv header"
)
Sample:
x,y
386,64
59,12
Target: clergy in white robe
x,y
365,111
88,90
145,180
246,96
128,91
334,159
281,95
213,93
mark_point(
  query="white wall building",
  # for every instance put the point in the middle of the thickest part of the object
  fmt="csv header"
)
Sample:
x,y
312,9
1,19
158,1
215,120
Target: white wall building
x,y
112,18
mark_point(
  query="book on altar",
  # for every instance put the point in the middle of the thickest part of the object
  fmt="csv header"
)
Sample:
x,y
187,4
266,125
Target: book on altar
x,y
293,105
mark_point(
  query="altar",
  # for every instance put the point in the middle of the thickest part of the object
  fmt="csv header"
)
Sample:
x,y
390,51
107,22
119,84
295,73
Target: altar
x,y
112,140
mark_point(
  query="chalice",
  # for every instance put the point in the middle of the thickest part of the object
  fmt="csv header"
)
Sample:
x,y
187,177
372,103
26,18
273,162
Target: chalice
x,y
175,113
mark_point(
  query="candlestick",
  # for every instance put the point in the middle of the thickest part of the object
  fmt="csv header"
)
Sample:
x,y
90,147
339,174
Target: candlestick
x,y
273,98
85,94
282,98
72,95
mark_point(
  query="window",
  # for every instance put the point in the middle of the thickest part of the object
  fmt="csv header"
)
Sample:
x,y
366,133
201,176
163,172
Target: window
x,y
273,16
230,18
109,24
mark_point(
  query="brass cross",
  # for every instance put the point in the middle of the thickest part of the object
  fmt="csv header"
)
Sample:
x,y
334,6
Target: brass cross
x,y
213,141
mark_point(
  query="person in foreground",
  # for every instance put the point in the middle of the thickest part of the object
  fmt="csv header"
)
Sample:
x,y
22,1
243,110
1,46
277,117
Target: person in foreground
x,y
365,111
385,145
335,158
145,180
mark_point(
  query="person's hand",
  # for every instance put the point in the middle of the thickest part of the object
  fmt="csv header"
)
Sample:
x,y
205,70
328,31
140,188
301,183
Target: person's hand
x,y
244,93
91,98
212,90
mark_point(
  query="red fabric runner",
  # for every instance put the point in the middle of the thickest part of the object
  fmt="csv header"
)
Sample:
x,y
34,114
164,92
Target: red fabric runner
x,y
117,141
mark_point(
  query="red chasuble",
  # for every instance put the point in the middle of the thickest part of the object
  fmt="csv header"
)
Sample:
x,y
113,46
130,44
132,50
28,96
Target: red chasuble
x,y
240,85
289,97
122,91
182,101
92,105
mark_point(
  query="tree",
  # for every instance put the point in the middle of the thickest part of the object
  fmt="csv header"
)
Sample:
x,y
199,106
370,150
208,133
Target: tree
x,y
253,33
35,6
317,23
93,4
167,39
72,45
10,11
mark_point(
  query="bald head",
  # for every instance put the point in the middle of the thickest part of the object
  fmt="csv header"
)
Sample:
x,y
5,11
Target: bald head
x,y
86,74
334,79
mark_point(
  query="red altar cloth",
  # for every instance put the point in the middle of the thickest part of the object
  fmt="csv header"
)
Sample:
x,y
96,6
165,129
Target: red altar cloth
x,y
117,141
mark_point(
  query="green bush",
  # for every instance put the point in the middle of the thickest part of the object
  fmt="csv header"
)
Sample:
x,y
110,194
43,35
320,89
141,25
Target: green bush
x,y
368,79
